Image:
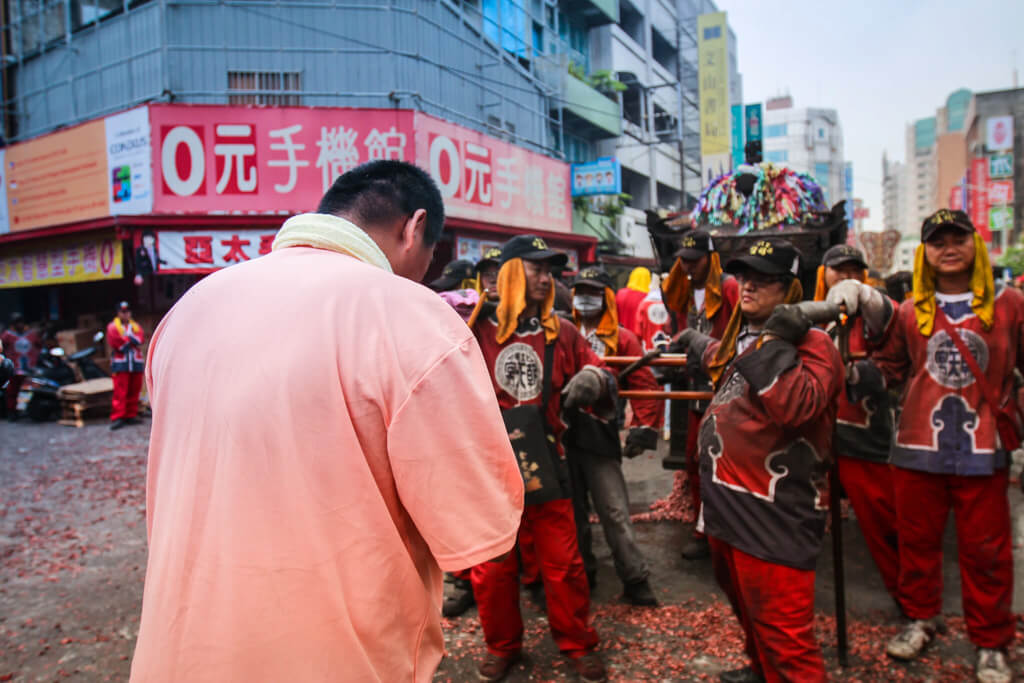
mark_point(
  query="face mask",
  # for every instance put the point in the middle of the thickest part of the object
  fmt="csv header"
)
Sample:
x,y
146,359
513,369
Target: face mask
x,y
588,304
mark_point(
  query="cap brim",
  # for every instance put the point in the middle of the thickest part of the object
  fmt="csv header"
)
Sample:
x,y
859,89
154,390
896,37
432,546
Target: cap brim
x,y
444,283
846,259
483,263
757,264
555,258
688,254
932,229
590,283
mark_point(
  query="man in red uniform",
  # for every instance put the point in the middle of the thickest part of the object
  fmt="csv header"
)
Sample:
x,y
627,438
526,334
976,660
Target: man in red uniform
x,y
764,443
864,423
594,453
487,273
698,292
127,364
514,336
629,297
950,451
23,346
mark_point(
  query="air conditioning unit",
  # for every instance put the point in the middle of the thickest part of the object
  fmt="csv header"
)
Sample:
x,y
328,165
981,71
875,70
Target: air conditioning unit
x,y
624,226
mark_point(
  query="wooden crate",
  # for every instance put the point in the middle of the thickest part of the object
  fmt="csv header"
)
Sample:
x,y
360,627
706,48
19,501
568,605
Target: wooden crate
x,y
85,401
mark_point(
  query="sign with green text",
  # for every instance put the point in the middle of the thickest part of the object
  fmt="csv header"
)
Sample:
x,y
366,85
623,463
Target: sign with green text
x,y
1000,218
1000,166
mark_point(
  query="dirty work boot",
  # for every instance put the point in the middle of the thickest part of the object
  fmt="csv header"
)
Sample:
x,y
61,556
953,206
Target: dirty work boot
x,y
697,549
493,668
639,593
908,644
590,667
744,675
992,666
456,604
117,424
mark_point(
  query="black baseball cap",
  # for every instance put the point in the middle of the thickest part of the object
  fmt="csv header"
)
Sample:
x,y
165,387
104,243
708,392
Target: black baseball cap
x,y
844,253
532,248
944,217
694,245
767,256
492,257
592,276
453,275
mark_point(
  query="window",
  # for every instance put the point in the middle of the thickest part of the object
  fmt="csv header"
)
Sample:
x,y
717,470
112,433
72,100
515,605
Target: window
x,y
776,156
85,12
712,32
822,171
778,130
279,88
35,24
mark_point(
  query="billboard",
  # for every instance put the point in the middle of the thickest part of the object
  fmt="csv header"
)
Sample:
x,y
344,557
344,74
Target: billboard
x,y
603,176
977,197
999,133
753,121
1000,166
128,162
64,262
713,88
1000,218
206,250
736,134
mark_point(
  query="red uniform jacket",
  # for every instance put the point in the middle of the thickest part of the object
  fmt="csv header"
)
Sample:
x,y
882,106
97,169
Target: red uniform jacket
x,y
764,443
653,324
946,426
517,365
627,301
22,349
864,422
126,350
715,327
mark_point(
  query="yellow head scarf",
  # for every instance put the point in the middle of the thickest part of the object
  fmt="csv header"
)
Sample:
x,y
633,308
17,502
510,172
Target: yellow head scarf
x,y
512,285
639,280
982,286
727,349
677,294
608,329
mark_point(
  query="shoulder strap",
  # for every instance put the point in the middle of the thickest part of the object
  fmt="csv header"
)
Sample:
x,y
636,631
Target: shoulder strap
x,y
549,358
986,389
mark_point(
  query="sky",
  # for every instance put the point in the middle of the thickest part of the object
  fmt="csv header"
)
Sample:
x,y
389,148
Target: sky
x,y
880,64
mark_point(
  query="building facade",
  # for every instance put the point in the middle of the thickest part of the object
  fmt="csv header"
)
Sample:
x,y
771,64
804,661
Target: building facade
x,y
809,140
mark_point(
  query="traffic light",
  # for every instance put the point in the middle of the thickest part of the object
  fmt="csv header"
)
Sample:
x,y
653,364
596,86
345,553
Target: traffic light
x,y
752,152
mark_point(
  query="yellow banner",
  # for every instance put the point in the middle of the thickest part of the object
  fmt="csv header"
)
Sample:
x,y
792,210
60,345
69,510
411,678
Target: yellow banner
x,y
713,71
64,262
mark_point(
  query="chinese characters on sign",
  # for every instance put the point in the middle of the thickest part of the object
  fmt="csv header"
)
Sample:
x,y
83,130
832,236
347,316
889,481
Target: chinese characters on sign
x,y
482,178
203,251
242,160
72,261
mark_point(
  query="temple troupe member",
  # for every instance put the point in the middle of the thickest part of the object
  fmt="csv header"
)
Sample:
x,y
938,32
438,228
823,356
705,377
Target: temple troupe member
x,y
764,444
301,500
23,345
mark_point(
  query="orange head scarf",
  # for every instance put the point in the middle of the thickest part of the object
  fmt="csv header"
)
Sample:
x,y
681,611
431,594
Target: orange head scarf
x,y
512,285
727,349
677,290
821,288
608,329
982,286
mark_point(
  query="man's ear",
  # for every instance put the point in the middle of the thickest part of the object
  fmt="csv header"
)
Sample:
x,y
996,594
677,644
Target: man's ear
x,y
415,225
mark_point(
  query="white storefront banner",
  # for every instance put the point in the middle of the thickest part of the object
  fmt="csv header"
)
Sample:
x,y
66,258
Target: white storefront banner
x,y
205,250
129,174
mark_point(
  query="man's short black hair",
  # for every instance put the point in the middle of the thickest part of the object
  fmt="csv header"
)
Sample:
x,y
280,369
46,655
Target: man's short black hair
x,y
384,191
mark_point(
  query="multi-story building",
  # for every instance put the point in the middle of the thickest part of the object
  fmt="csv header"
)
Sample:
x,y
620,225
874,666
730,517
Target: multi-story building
x,y
512,76
809,140
893,194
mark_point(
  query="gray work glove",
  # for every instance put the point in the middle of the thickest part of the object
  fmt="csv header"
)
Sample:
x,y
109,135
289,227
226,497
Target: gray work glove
x,y
788,322
690,342
858,297
584,389
640,439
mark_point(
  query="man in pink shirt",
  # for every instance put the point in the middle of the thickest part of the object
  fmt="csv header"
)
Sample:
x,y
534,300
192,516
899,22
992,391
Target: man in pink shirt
x,y
309,475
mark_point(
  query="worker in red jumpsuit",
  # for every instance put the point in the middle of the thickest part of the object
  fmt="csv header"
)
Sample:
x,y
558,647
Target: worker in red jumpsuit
x,y
514,337
764,445
592,444
699,293
127,365
954,438
864,423
23,346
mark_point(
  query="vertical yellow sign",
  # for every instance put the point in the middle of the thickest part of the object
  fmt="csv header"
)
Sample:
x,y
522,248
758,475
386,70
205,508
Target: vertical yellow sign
x,y
713,71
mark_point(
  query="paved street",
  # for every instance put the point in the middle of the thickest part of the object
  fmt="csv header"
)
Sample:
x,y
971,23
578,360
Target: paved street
x,y
72,560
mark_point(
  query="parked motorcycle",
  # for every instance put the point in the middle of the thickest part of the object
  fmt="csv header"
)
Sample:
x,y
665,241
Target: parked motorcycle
x,y
38,395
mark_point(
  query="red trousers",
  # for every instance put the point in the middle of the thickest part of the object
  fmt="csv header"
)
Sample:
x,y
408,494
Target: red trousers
x,y
11,393
981,512
125,403
496,586
869,488
529,567
693,463
775,606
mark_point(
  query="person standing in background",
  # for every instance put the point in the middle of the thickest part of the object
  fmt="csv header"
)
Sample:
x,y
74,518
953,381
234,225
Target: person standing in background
x,y
127,364
627,299
23,345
